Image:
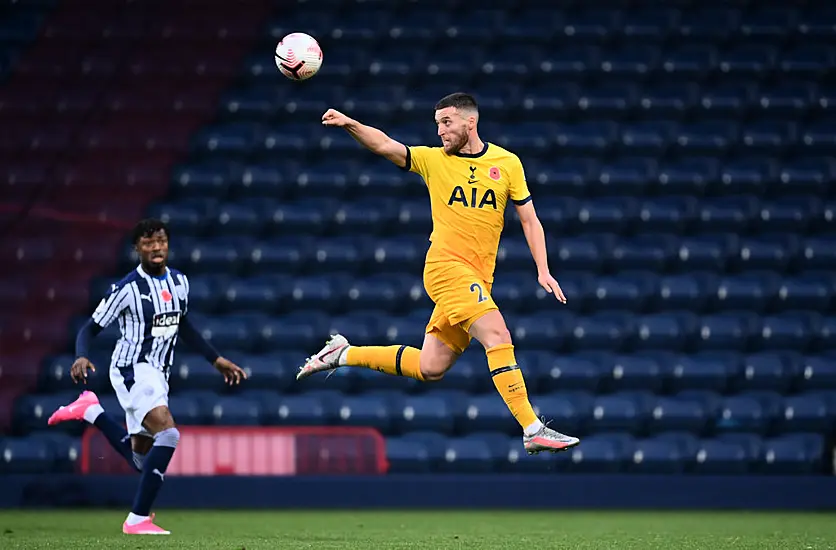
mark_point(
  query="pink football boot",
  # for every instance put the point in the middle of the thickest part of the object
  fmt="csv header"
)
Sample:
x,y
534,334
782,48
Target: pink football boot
x,y
146,527
75,410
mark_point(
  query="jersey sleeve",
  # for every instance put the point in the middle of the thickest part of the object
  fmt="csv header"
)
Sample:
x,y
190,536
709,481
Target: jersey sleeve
x,y
518,186
418,159
111,305
184,282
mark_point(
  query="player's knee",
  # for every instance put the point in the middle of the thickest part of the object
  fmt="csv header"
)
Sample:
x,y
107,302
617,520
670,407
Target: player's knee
x,y
158,419
169,437
433,368
490,330
495,336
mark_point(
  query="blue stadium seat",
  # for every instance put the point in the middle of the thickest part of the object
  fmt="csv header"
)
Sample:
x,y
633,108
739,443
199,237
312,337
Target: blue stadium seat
x,y
657,456
539,331
678,414
473,376
364,411
499,444
236,411
793,454
751,291
613,293
742,414
622,411
485,412
705,252
406,456
601,454
787,331
25,455
66,449
665,331
635,372
683,292
189,408
807,413
466,455
817,373
720,457
752,445
296,410
572,372
767,371
725,331
601,331
703,371
423,413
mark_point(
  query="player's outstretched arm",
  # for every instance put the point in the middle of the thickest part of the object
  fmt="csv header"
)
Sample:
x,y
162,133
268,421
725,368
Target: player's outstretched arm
x,y
371,138
78,372
232,373
536,238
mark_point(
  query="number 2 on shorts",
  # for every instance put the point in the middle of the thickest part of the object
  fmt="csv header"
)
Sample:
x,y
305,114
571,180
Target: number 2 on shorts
x,y
476,287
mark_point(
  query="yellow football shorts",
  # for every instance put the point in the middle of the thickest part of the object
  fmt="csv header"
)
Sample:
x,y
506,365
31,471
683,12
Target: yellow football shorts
x,y
461,297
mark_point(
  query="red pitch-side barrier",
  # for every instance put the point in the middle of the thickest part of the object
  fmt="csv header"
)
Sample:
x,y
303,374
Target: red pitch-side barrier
x,y
254,451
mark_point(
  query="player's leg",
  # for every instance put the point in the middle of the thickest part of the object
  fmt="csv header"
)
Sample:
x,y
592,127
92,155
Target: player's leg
x,y
141,445
428,364
149,416
490,330
88,408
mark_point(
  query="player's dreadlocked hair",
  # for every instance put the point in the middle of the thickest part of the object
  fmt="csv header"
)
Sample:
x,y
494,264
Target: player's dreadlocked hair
x,y
148,227
459,100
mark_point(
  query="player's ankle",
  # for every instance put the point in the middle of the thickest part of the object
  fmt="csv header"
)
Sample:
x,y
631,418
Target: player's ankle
x,y
92,413
342,360
533,428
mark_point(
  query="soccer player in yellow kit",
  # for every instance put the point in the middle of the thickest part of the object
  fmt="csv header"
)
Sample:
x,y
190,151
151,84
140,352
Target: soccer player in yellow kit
x,y
470,182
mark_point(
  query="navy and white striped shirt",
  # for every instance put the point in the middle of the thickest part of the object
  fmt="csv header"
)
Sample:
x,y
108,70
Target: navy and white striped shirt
x,y
149,310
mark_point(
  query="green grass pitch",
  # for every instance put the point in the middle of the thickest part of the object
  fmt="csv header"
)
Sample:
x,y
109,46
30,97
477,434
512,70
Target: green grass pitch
x,y
396,529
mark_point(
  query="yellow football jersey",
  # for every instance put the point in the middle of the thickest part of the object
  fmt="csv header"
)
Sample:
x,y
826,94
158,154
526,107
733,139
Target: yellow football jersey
x,y
468,195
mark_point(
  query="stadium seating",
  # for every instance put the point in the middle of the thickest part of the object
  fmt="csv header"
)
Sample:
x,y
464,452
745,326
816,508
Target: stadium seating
x,y
679,156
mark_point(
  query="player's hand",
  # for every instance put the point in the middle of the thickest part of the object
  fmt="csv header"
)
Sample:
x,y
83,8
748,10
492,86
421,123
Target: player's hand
x,y
78,372
332,117
547,281
233,374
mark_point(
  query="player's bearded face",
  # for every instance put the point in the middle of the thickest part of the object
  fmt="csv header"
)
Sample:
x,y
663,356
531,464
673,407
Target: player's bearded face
x,y
153,250
452,129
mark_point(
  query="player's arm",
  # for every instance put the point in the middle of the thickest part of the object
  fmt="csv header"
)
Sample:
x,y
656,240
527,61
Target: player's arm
x,y
532,228
534,235
231,372
369,137
536,239
106,312
196,342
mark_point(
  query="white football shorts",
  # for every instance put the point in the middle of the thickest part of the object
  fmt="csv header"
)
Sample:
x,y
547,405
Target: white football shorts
x,y
139,389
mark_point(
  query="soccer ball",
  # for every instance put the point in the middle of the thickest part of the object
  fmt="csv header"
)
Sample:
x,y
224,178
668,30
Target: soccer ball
x,y
298,56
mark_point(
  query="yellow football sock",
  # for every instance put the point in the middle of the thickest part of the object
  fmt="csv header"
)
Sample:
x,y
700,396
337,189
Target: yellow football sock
x,y
508,379
397,360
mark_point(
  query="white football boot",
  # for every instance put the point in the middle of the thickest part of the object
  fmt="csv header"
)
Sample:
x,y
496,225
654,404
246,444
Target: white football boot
x,y
326,359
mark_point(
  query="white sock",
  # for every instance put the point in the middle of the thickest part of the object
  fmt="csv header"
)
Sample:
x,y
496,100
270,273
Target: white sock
x,y
92,413
341,359
134,519
533,428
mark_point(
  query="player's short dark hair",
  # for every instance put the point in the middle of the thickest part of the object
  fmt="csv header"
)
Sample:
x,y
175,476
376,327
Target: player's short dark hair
x,y
147,228
459,100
